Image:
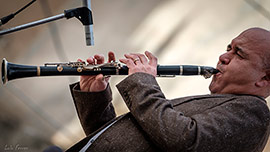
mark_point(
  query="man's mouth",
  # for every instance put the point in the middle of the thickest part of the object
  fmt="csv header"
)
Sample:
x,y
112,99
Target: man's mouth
x,y
219,71
216,71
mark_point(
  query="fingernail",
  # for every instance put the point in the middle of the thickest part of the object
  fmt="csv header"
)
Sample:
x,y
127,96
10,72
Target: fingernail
x,y
106,76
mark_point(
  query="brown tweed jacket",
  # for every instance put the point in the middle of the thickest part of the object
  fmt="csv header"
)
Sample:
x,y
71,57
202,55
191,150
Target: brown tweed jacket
x,y
205,123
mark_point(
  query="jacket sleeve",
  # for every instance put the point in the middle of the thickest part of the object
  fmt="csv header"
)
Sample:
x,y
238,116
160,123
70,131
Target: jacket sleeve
x,y
94,109
213,130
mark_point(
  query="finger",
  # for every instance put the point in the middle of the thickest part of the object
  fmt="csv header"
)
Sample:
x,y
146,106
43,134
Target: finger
x,y
143,59
79,60
91,60
129,63
106,78
134,58
111,56
130,56
99,77
152,59
99,58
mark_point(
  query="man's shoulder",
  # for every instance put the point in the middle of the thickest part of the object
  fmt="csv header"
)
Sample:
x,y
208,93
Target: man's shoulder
x,y
220,99
206,97
222,96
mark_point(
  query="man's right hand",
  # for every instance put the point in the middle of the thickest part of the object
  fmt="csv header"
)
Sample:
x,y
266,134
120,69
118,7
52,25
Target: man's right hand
x,y
98,82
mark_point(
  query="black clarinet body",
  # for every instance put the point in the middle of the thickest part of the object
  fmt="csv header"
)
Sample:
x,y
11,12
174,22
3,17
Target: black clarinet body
x,y
11,71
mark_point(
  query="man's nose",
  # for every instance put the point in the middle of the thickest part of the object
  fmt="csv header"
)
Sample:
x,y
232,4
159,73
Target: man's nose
x,y
225,58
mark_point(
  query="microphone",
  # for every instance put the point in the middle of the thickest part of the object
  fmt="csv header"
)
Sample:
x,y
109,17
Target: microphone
x,y
88,27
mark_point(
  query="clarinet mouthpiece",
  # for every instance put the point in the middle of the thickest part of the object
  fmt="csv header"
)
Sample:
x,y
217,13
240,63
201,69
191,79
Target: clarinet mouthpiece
x,y
207,72
215,71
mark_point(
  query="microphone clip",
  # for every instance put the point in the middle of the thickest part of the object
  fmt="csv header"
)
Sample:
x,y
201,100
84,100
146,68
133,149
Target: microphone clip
x,y
83,14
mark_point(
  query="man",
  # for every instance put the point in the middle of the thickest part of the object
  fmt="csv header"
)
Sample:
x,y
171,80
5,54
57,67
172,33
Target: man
x,y
233,118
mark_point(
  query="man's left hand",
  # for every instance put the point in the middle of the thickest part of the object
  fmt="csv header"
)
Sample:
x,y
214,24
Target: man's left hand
x,y
137,62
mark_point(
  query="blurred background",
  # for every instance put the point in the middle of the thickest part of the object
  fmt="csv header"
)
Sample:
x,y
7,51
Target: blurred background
x,y
39,112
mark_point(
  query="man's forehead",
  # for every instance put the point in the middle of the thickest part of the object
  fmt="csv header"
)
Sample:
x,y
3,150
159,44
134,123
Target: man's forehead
x,y
253,38
242,43
256,34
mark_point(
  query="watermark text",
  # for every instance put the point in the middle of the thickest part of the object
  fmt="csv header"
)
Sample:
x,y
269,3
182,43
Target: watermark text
x,y
16,147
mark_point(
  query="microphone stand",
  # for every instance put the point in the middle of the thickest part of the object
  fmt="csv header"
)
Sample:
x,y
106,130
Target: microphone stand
x,y
82,13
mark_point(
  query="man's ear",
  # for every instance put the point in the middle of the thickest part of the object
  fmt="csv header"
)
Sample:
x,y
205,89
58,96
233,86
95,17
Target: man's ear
x,y
265,80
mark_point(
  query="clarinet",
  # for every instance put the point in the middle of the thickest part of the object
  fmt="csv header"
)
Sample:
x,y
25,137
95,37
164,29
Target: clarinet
x,y
11,71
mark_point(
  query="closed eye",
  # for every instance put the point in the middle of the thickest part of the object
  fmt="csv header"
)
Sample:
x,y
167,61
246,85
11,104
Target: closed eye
x,y
237,50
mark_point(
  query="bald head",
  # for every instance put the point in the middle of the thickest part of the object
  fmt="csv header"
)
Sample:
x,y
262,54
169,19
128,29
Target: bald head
x,y
260,39
257,31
